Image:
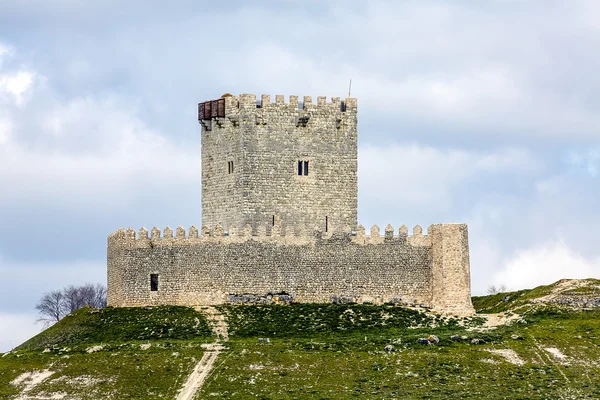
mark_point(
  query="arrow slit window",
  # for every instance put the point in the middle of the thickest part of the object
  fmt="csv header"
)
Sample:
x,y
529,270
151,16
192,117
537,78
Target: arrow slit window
x,y
153,282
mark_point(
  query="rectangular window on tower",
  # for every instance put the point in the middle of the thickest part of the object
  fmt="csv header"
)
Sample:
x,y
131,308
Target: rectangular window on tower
x,y
230,167
302,168
153,282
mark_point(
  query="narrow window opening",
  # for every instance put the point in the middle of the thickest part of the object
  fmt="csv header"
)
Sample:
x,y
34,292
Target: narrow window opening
x,y
230,167
154,282
303,168
326,223
273,220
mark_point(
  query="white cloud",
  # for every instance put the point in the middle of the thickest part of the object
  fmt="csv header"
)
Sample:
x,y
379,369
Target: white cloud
x,y
83,151
16,329
543,264
16,84
552,217
417,176
465,70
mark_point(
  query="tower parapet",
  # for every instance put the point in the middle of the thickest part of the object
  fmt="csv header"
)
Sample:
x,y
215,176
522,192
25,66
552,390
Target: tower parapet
x,y
229,107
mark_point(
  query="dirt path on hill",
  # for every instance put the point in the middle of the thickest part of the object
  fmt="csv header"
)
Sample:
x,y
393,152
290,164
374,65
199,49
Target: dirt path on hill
x,y
212,351
550,359
217,321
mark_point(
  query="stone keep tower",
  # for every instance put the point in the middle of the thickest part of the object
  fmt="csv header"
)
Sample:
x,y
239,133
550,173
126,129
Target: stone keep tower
x,y
292,164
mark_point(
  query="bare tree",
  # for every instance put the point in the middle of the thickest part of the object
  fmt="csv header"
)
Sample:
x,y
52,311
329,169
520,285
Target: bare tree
x,y
50,307
493,289
92,295
72,299
84,295
58,303
100,297
75,297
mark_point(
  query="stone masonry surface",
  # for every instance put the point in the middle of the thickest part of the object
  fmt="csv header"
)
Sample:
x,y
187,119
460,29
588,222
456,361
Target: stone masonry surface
x,y
278,234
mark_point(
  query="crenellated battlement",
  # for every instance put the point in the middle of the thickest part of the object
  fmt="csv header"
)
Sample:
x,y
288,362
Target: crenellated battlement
x,y
230,105
181,237
231,110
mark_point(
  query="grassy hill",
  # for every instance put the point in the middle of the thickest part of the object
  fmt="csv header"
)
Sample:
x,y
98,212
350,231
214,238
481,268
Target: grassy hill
x,y
542,343
114,353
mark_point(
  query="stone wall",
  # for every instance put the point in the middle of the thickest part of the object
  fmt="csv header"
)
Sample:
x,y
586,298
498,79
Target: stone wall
x,y
450,264
213,268
265,141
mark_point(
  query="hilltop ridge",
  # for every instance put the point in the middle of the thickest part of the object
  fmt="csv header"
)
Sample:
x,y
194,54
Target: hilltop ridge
x,y
575,293
534,344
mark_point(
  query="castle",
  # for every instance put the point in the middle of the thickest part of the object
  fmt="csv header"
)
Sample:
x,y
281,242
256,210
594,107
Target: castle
x,y
279,222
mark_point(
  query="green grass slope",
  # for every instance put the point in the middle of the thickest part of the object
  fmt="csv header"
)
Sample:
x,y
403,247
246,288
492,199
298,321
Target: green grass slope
x,y
118,353
548,353
548,348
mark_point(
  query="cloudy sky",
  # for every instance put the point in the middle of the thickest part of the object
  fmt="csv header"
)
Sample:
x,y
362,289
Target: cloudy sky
x,y
484,112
